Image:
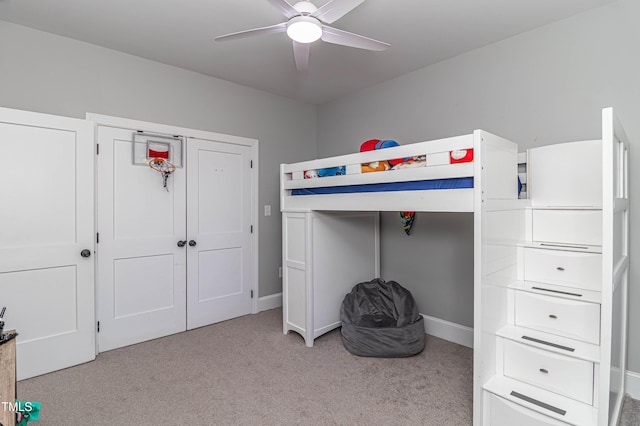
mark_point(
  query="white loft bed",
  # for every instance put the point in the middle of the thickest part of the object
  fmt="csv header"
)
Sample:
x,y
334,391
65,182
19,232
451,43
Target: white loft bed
x,y
488,149
331,243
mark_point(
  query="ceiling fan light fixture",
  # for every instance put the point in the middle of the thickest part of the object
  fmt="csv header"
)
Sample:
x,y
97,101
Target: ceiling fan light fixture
x,y
304,29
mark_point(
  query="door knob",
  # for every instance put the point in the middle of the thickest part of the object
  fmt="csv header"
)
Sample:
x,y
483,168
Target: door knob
x,y
192,243
85,253
182,243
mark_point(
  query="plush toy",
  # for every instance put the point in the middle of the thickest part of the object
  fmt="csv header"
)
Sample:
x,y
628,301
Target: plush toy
x,y
461,156
332,171
328,171
375,166
310,174
373,144
407,221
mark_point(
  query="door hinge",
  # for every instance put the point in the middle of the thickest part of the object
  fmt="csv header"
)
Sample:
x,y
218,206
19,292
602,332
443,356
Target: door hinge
x,y
251,164
97,149
252,294
97,237
98,326
252,229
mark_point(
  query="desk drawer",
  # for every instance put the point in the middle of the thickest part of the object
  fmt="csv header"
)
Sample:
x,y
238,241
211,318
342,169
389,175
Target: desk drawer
x,y
573,269
501,412
564,317
561,374
568,227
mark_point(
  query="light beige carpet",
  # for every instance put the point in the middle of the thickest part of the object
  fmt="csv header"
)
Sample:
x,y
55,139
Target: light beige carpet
x,y
630,412
246,372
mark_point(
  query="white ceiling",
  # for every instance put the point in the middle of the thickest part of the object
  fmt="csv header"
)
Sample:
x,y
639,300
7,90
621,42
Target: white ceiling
x,y
181,33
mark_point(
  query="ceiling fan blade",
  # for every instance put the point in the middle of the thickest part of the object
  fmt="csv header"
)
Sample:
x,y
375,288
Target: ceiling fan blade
x,y
344,38
301,55
335,9
284,7
278,28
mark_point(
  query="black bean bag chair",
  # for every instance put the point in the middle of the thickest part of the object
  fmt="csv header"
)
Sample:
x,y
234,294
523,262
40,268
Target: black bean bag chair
x,y
380,319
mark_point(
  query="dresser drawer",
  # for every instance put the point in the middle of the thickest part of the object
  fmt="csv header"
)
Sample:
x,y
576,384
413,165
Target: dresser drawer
x,y
564,317
569,268
568,227
500,412
561,374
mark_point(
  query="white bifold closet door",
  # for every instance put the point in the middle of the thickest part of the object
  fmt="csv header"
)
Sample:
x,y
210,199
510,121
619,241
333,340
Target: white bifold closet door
x,y
47,239
149,286
219,276
141,270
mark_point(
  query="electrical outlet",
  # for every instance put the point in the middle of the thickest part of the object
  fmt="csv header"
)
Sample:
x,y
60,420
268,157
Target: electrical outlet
x,y
267,210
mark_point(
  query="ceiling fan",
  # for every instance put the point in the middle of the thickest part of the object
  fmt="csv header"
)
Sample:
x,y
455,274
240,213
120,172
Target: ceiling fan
x,y
307,23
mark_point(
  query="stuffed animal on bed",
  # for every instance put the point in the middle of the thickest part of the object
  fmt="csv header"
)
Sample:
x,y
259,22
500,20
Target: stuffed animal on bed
x,y
461,156
328,171
332,171
375,166
378,166
310,174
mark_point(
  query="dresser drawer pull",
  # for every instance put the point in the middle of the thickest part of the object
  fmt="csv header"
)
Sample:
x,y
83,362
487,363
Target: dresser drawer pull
x,y
560,268
564,246
543,342
556,291
553,316
544,371
538,403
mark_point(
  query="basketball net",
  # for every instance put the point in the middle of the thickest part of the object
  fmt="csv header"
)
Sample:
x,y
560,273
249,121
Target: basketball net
x,y
163,167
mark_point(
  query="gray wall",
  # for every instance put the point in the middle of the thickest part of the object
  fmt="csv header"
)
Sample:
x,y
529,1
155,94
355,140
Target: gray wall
x,y
545,86
541,87
416,262
56,75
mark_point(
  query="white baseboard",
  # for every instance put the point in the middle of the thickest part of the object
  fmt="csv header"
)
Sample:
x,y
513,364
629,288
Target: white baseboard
x,y
269,302
632,384
450,331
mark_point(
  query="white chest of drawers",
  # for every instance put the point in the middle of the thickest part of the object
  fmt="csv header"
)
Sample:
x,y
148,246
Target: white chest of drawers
x,y
551,344
552,301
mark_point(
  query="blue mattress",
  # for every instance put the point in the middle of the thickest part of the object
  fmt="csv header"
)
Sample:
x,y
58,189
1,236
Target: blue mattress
x,y
417,185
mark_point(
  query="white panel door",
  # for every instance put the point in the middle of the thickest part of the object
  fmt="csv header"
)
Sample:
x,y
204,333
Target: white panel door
x,y
141,269
219,265
46,221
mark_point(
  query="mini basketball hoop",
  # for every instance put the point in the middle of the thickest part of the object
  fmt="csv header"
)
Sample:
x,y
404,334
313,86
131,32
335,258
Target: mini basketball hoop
x,y
163,167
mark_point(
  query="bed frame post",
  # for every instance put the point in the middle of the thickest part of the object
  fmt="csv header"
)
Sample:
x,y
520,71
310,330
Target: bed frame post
x,y
498,229
478,367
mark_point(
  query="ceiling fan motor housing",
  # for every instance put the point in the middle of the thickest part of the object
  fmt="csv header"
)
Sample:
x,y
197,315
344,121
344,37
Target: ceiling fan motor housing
x,y
305,7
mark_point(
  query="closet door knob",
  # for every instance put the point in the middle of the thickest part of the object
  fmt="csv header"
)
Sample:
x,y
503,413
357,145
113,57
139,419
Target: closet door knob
x,y
85,253
182,243
553,316
192,243
544,371
560,268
